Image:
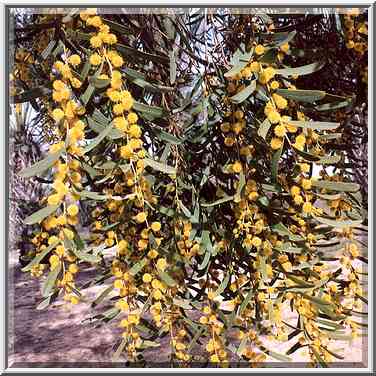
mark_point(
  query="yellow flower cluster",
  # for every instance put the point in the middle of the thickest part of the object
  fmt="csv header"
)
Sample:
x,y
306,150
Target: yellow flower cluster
x,y
356,33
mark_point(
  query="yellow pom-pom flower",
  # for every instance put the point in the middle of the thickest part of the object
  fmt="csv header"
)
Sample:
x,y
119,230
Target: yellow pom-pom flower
x,y
141,217
72,210
147,278
307,207
306,184
132,118
162,264
274,85
276,143
135,131
279,101
57,114
95,41
156,226
237,167
95,59
255,67
280,131
274,117
74,60
259,49
53,199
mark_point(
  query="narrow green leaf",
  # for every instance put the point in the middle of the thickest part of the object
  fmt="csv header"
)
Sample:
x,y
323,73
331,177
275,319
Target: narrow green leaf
x,y
244,94
333,106
152,87
149,112
108,165
172,67
241,183
119,350
246,300
264,201
121,29
183,303
271,187
41,214
166,211
336,196
300,282
218,202
339,223
47,51
85,97
241,62
205,261
85,71
100,118
162,167
111,313
330,136
166,278
318,357
336,186
97,140
242,346
223,285
37,259
331,159
264,128
309,96
282,230
140,55
239,56
290,36
90,170
136,268
185,210
269,57
44,303
294,348
301,71
42,165
317,300
195,338
264,274
30,94
331,324
49,283
86,256
133,74
145,344
275,161
99,83
113,134
92,195
306,155
165,136
102,295
317,125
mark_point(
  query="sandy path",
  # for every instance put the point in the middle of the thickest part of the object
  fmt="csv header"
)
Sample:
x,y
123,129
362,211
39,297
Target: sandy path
x,y
55,334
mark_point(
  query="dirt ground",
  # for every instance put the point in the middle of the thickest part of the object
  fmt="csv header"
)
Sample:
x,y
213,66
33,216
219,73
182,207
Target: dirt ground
x,y
56,337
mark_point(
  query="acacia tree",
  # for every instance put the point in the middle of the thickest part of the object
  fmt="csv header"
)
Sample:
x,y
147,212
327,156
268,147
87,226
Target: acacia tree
x,y
194,156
